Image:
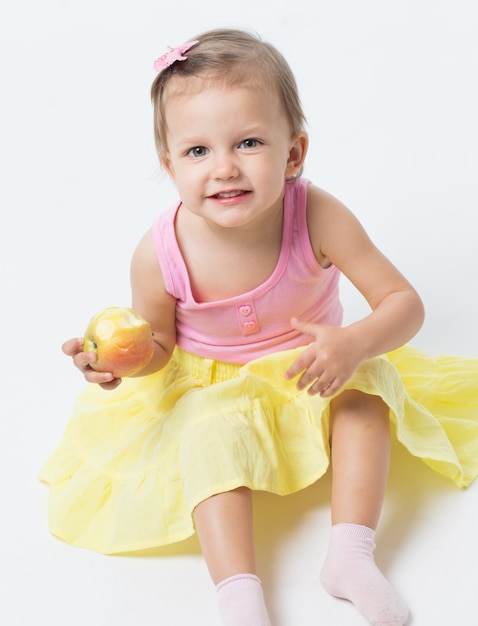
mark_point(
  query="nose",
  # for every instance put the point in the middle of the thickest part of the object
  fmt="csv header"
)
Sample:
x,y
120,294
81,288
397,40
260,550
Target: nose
x,y
225,166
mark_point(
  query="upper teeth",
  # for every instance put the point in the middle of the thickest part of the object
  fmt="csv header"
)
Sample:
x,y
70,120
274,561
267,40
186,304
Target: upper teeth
x,y
228,194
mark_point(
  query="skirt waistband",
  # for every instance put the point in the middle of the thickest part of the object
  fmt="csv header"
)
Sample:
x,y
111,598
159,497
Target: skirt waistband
x,y
208,370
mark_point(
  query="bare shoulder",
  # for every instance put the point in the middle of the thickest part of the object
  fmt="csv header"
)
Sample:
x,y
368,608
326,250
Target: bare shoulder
x,y
332,226
149,294
145,253
145,267
338,238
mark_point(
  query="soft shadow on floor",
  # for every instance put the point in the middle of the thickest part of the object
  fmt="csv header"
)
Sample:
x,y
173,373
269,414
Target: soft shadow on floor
x,y
292,532
295,529
412,488
412,484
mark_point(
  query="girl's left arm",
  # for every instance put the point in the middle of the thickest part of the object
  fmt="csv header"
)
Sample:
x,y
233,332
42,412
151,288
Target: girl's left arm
x,y
397,311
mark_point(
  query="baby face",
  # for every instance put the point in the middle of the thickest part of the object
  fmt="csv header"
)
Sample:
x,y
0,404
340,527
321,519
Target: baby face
x,y
228,152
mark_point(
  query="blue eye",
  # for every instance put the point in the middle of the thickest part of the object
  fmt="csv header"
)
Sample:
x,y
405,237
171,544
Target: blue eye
x,y
198,151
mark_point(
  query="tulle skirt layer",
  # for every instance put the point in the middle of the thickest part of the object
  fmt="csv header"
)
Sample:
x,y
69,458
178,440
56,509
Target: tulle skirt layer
x,y
134,462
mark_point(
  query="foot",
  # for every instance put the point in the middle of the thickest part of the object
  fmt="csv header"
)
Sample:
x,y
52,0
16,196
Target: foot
x,y
350,572
241,601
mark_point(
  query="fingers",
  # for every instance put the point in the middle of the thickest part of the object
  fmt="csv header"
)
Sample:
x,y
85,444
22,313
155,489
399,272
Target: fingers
x,y
325,391
298,366
104,379
84,361
72,346
112,384
316,382
317,386
306,328
316,374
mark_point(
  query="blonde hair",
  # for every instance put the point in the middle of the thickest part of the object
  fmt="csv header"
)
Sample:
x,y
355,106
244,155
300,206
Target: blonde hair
x,y
228,57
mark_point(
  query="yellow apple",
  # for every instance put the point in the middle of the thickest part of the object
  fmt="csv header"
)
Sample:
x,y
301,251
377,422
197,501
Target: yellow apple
x,y
122,340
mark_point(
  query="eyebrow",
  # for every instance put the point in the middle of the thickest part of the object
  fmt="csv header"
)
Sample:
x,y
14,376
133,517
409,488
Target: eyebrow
x,y
241,133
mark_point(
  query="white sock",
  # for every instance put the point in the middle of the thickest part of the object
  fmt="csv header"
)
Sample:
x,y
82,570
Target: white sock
x,y
241,601
350,572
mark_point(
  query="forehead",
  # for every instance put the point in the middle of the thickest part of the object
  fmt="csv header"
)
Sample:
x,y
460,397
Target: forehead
x,y
185,86
195,94
224,110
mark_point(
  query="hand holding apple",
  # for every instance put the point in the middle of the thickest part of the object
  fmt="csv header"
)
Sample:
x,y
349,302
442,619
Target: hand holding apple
x,y
122,340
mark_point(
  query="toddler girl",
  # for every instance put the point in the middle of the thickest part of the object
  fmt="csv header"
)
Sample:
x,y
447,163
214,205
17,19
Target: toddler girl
x,y
254,380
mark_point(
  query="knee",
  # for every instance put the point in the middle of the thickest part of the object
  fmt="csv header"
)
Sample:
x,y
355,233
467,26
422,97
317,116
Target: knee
x,y
354,403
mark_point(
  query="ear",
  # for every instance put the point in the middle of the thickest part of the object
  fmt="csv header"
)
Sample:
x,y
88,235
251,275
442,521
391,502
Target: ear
x,y
297,153
167,165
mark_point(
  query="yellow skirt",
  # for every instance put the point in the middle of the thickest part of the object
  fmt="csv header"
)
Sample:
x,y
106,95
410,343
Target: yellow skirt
x,y
134,462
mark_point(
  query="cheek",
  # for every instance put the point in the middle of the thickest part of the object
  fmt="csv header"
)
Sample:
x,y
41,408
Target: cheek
x,y
186,177
188,183
181,174
278,169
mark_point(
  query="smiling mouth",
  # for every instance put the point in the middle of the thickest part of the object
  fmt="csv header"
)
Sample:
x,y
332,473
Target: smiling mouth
x,y
229,194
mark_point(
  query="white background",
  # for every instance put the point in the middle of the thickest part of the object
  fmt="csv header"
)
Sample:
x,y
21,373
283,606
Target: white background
x,y
390,91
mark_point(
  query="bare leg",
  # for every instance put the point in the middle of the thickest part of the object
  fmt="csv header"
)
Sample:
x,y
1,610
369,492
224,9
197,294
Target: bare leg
x,y
360,462
225,528
360,457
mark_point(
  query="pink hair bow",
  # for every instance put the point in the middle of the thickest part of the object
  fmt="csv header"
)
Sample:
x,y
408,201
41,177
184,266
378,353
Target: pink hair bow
x,y
172,55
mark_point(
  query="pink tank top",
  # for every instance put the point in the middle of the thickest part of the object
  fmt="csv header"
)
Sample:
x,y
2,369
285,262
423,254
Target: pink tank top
x,y
255,323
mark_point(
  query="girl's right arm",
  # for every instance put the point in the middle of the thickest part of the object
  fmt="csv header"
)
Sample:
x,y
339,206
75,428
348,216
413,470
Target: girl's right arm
x,y
153,302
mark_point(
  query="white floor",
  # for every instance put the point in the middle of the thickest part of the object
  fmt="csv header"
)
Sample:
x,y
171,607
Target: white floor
x,y
391,97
